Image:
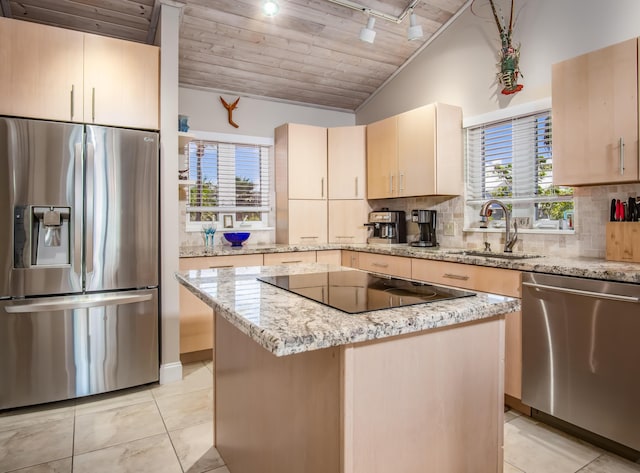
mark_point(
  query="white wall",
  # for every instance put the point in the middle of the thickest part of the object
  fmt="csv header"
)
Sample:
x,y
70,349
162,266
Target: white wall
x,y
255,117
459,67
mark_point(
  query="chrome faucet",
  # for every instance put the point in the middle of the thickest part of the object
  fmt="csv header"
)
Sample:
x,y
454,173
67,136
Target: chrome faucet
x,y
509,240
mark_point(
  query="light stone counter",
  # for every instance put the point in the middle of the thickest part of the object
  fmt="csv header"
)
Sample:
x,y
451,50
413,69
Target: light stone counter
x,y
285,323
594,268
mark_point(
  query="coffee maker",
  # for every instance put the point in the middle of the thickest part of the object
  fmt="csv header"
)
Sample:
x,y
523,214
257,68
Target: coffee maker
x,y
426,220
389,226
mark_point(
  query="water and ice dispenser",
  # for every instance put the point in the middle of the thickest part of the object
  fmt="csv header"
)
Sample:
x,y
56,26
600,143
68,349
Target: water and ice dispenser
x,y
42,236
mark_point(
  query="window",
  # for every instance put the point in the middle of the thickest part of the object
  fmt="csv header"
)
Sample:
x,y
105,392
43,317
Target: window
x,y
511,160
229,179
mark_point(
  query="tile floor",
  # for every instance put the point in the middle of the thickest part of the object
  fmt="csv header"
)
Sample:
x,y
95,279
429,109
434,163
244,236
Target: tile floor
x,y
167,429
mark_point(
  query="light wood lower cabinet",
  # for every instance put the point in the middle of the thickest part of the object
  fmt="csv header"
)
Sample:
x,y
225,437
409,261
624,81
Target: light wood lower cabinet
x,y
495,280
385,264
329,257
196,317
292,257
350,259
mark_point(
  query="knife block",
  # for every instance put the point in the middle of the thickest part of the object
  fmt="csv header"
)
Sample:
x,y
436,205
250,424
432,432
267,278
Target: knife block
x,y
623,242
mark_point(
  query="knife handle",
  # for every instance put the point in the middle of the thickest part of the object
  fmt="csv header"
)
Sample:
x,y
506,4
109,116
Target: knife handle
x,y
613,215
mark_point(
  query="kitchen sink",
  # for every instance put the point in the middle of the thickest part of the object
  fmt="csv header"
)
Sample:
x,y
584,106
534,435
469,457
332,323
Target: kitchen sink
x,y
488,254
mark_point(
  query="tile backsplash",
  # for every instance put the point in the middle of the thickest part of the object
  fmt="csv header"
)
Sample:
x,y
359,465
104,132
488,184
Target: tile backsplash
x,y
591,214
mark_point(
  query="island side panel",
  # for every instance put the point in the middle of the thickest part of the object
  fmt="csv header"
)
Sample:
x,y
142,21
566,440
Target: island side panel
x,y
425,403
275,414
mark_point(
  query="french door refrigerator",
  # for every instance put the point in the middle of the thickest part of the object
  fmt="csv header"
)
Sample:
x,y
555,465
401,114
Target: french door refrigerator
x,y
78,260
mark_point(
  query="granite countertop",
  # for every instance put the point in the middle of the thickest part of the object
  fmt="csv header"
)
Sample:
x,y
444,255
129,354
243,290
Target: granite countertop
x,y
594,268
285,323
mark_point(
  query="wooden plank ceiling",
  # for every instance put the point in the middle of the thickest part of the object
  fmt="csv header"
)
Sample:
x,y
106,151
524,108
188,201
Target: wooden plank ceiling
x,y
309,53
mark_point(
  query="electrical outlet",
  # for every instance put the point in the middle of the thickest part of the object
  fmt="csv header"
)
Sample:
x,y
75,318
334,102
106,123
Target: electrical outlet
x,y
450,229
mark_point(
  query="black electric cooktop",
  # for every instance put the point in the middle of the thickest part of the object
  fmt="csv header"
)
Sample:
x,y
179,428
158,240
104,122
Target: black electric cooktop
x,y
358,291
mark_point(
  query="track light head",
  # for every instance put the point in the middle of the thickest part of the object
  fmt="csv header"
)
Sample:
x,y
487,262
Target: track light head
x,y
367,34
415,30
270,7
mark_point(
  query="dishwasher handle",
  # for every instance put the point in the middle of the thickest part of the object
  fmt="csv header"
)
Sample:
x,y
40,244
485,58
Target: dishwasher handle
x,y
579,292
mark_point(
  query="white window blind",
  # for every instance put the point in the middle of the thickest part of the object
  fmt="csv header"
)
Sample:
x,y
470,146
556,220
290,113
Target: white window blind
x,y
229,178
511,160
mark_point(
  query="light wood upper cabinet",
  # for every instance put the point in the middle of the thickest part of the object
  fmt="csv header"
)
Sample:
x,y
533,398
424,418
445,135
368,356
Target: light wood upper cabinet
x,y
346,221
382,158
301,161
41,72
52,73
347,162
307,222
416,153
595,109
121,82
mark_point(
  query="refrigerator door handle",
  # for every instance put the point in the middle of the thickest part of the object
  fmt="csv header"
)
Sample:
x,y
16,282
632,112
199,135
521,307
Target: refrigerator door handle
x,y
89,202
78,203
75,302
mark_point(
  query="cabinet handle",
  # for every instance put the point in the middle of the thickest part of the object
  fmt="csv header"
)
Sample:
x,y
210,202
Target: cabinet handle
x,y
292,261
391,184
356,186
93,105
455,276
380,265
345,236
72,99
400,186
621,156
308,237
221,266
322,187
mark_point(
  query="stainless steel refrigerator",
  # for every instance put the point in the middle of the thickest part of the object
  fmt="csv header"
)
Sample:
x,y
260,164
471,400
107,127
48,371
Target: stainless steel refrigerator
x,y
78,260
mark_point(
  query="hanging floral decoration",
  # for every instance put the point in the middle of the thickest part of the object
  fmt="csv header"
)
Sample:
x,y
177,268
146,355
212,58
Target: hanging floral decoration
x,y
509,55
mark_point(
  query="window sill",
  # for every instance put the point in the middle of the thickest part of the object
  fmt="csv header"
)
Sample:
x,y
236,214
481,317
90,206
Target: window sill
x,y
532,231
197,228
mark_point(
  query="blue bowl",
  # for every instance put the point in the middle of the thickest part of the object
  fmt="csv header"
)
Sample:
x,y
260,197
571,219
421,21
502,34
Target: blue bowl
x,y
236,238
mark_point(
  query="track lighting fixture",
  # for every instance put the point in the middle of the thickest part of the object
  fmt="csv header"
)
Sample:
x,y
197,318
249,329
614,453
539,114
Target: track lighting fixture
x,y
367,34
270,7
415,30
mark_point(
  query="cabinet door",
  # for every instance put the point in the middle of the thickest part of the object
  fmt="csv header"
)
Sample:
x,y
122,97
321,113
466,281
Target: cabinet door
x,y
347,162
382,159
595,107
350,259
121,82
41,72
346,221
307,162
196,317
416,152
513,355
307,222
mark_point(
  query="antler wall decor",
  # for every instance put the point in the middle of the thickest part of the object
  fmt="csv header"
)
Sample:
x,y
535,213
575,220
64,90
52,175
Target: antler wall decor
x,y
509,55
230,109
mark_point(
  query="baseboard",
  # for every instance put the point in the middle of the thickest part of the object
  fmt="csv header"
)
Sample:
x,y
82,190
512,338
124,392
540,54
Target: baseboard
x,y
516,404
170,372
193,356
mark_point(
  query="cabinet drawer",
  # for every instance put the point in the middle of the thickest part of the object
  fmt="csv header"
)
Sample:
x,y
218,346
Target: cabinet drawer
x,y
329,257
290,258
213,262
478,278
392,265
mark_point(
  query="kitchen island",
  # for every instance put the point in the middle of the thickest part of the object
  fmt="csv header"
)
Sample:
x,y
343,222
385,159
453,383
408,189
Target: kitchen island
x,y
303,387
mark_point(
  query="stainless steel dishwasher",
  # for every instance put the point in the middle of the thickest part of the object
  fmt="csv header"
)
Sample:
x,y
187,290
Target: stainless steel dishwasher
x,y
581,353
